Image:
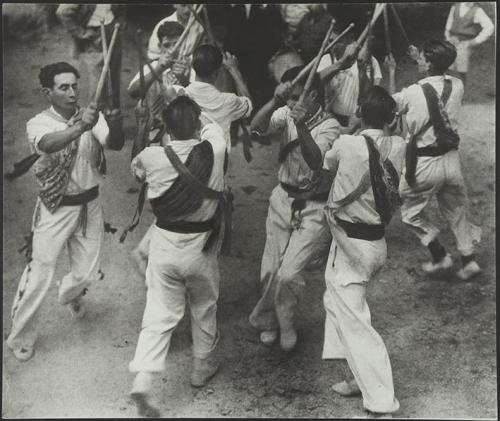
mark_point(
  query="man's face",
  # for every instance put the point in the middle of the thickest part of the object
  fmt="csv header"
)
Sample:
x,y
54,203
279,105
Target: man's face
x,y
183,12
423,64
64,93
294,95
167,43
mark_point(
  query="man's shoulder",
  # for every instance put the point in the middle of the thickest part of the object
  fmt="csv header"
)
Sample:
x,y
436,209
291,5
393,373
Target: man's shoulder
x,y
42,118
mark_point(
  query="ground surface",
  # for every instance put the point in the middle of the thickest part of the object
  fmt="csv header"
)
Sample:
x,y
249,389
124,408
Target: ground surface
x,y
440,333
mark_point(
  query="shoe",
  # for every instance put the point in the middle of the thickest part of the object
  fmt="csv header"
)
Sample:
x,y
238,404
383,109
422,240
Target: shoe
x,y
23,353
347,388
268,337
444,264
77,307
204,370
288,339
140,260
470,270
140,393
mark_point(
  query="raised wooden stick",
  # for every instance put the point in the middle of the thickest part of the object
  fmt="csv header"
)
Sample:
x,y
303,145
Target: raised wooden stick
x,y
386,32
316,61
104,55
105,68
308,67
186,31
398,21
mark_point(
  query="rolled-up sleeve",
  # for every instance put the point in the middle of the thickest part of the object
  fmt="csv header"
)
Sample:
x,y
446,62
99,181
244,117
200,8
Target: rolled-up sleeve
x,y
329,132
238,106
137,168
331,160
101,130
36,131
278,120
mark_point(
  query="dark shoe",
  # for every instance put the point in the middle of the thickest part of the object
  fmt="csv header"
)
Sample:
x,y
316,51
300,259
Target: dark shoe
x,y
204,370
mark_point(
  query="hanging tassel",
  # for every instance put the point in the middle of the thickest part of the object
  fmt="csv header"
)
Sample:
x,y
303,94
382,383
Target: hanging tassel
x,y
28,246
137,214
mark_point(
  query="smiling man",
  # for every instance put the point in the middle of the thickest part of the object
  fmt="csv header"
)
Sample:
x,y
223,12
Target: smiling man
x,y
68,213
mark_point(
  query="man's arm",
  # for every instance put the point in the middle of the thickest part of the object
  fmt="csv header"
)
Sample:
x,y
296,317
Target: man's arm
x,y
390,65
231,65
56,141
134,89
482,19
449,23
260,121
310,150
345,62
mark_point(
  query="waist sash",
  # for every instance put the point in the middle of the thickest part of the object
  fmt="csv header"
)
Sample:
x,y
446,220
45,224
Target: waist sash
x,y
362,231
186,227
81,198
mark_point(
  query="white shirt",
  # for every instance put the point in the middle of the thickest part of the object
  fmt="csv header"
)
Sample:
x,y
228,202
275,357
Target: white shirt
x,y
480,18
154,41
152,166
411,101
101,12
342,91
348,157
292,13
222,107
294,169
84,175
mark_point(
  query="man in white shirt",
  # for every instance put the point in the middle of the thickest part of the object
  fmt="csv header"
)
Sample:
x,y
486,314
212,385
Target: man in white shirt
x,y
180,15
182,263
343,88
467,26
68,212
357,253
296,231
223,107
436,171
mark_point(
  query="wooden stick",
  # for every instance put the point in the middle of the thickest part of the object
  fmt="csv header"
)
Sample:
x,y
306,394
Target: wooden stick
x,y
316,61
398,21
105,68
104,55
376,14
185,33
308,67
141,70
386,32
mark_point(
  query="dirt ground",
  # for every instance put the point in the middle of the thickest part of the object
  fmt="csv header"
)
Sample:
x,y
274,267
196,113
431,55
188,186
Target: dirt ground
x,y
440,334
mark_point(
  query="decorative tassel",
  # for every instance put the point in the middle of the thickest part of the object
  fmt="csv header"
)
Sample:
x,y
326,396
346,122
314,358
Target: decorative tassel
x,y
22,166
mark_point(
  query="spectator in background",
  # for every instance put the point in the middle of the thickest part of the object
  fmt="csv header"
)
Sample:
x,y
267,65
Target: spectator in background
x,y
467,26
181,15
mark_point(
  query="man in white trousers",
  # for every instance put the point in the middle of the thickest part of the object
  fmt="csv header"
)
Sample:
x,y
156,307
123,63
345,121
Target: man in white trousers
x,y
436,169
358,252
68,212
183,257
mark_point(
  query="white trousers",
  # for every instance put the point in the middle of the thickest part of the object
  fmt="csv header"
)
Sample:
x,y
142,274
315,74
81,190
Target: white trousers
x,y
177,269
349,333
441,177
292,243
51,232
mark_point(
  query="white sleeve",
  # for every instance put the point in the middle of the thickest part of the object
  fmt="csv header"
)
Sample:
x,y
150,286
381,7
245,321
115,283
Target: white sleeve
x,y
36,130
214,134
449,21
324,62
145,70
137,168
486,24
101,130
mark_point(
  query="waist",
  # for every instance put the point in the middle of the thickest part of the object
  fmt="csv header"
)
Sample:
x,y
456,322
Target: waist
x,y
81,198
297,193
433,150
362,231
186,227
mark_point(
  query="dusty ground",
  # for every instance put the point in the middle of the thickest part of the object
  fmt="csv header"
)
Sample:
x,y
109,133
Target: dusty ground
x,y
440,333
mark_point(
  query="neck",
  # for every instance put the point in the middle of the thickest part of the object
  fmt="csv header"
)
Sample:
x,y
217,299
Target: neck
x,y
66,113
434,73
208,79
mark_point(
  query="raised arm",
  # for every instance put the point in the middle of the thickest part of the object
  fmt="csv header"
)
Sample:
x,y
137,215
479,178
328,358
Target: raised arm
x,y
345,62
231,64
160,66
56,141
260,121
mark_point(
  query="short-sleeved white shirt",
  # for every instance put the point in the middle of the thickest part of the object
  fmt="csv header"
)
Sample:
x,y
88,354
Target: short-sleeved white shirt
x,y
222,107
84,175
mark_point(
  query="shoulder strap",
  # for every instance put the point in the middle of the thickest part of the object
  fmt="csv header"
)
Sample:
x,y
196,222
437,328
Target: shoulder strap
x,y
183,171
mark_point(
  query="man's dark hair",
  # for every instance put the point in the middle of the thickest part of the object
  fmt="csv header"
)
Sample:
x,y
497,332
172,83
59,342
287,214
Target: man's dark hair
x,y
338,49
206,60
292,73
182,117
441,54
170,29
49,72
377,107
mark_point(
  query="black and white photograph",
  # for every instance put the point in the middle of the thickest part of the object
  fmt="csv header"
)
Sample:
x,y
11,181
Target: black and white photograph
x,y
229,210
